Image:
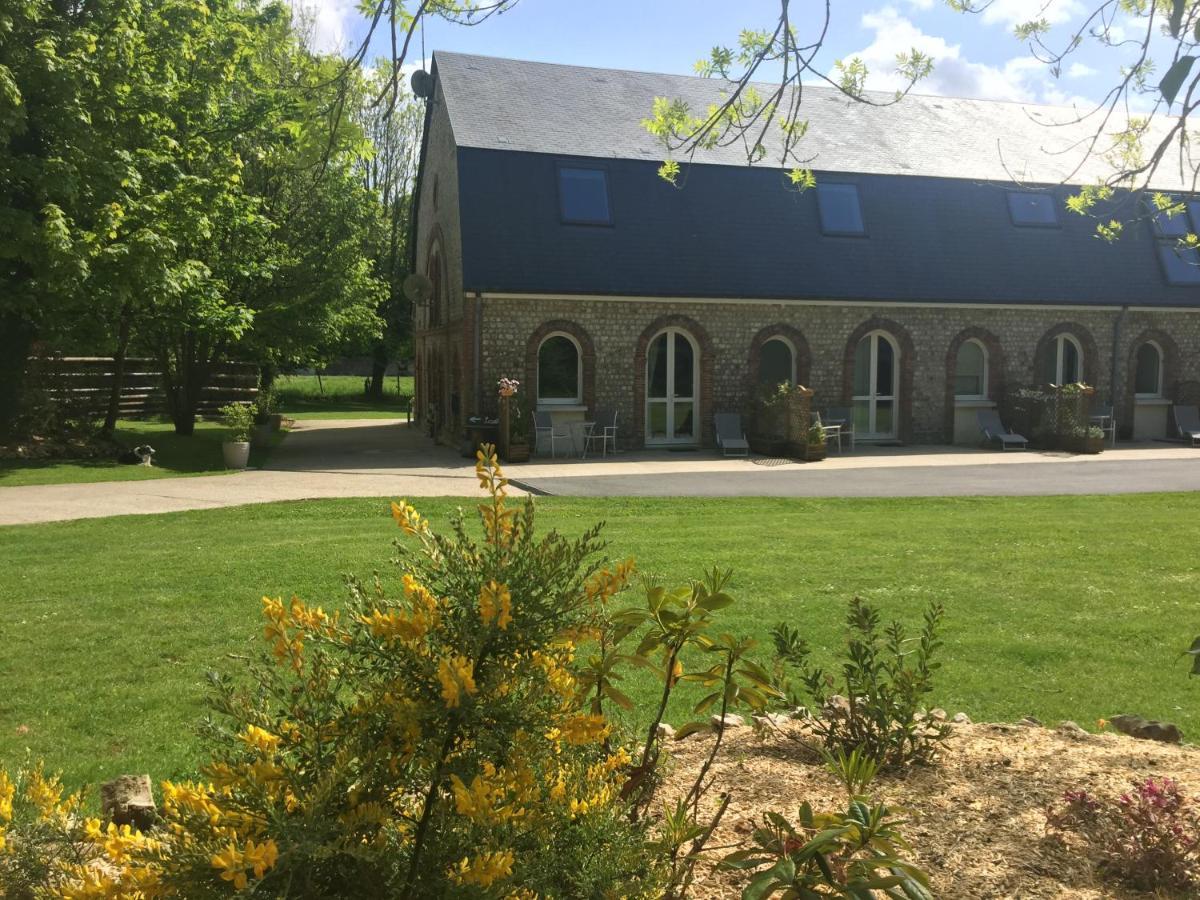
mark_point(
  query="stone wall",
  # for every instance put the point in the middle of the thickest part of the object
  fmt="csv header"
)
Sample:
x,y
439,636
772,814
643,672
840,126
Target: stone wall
x,y
730,334
442,331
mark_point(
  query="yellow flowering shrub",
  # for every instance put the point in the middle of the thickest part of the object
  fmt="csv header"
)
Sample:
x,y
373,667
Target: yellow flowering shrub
x,y
435,736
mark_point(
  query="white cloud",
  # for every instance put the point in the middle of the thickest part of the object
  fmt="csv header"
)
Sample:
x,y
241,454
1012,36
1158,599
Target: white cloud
x,y
920,4
1011,13
1079,70
953,74
327,22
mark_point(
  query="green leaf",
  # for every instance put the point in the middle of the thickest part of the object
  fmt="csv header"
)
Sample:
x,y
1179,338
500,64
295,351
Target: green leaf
x,y
1176,75
761,885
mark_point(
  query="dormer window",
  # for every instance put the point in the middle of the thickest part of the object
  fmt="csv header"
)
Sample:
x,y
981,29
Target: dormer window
x,y
1032,209
583,196
841,213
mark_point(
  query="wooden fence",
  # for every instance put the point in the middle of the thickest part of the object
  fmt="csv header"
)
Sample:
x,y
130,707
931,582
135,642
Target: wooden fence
x,y
84,382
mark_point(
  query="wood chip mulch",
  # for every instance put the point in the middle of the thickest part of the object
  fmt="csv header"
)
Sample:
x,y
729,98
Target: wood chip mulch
x,y
976,818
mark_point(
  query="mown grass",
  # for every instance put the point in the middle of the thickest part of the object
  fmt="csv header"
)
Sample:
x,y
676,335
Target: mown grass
x,y
197,454
1065,607
341,397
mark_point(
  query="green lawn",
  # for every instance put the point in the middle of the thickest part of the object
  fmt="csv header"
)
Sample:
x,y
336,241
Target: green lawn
x,y
1069,607
340,397
199,454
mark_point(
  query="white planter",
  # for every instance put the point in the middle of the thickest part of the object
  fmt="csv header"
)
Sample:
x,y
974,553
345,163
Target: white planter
x,y
237,454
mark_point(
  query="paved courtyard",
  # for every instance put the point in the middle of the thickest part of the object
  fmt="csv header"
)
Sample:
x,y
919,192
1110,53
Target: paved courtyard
x,y
380,457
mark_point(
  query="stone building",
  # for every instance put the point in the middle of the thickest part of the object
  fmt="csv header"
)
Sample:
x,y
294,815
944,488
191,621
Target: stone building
x,y
933,265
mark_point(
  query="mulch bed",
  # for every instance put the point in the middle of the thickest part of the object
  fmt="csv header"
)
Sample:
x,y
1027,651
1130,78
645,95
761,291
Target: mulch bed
x,y
976,818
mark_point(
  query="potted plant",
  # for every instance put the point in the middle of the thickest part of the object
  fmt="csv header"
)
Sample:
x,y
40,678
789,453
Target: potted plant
x,y
814,450
239,419
266,419
1094,440
514,422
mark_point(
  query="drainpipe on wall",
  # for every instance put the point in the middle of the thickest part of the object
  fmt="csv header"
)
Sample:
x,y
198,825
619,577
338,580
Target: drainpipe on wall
x,y
1114,378
478,353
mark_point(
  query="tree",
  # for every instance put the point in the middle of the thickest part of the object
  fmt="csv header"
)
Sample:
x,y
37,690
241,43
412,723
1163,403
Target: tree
x,y
389,172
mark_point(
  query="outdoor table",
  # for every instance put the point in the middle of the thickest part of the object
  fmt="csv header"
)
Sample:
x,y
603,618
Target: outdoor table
x,y
579,434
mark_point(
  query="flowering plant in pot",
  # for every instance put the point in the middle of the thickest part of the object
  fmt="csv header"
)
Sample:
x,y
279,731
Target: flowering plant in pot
x,y
815,442
514,421
239,419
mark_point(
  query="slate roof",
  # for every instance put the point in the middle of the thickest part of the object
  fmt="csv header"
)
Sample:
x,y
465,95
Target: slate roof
x,y
507,104
933,194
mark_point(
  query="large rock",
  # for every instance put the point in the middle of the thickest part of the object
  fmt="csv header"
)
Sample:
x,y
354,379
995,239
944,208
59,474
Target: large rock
x,y
729,720
129,800
961,718
665,731
1147,729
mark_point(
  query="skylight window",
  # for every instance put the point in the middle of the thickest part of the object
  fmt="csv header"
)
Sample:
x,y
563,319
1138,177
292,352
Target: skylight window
x,y
840,210
1180,264
1033,209
583,196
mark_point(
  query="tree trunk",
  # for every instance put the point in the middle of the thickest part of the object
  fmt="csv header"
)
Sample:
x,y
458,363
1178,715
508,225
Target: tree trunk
x,y
16,339
118,376
379,366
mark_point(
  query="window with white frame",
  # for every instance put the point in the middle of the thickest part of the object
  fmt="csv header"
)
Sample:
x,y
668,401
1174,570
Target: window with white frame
x,y
560,371
971,371
1147,376
1064,363
777,362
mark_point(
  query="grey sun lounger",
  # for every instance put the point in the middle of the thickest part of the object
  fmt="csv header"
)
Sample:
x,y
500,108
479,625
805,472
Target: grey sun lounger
x,y
1187,422
730,437
993,429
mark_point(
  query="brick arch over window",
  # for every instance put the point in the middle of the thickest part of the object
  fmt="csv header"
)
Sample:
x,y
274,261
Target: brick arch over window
x,y
1170,371
803,360
587,353
995,369
707,353
1087,343
908,354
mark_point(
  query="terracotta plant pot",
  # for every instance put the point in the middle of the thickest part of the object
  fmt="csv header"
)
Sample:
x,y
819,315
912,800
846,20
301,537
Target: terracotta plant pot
x,y
814,452
1092,445
236,453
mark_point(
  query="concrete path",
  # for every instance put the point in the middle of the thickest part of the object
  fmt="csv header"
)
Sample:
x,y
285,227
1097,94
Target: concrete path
x,y
382,457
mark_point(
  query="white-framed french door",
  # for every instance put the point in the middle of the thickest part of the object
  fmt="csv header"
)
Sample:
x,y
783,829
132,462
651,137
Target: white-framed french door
x,y
672,389
876,383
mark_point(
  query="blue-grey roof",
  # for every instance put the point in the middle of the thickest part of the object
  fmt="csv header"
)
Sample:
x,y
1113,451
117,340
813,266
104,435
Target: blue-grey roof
x,y
734,231
508,104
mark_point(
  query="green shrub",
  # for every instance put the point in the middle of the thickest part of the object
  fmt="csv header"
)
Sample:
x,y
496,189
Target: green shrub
x,y
239,419
886,677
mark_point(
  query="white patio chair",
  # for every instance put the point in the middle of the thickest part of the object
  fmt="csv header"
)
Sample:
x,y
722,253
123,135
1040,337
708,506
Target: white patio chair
x,y
546,430
603,431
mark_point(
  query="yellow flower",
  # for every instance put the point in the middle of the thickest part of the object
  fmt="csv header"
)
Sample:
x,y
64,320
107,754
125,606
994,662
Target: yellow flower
x,y
234,863
485,869
44,793
408,518
495,603
456,675
259,739
583,729
7,790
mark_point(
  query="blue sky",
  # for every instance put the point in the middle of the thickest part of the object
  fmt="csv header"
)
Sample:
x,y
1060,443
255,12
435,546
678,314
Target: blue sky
x,y
975,55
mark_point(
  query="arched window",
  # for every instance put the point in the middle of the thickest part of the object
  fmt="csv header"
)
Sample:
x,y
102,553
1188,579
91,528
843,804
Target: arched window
x,y
1147,379
559,371
1064,363
437,289
875,385
971,371
777,362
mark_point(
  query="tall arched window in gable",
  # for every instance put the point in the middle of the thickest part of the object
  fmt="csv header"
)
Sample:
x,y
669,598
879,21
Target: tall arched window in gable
x,y
437,293
971,371
777,362
559,371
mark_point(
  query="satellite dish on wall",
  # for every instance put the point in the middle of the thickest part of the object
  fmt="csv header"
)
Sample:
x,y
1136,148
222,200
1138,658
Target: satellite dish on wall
x,y
417,287
422,84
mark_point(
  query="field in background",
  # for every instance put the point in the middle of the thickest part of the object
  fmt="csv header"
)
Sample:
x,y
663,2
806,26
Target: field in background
x,y
341,397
